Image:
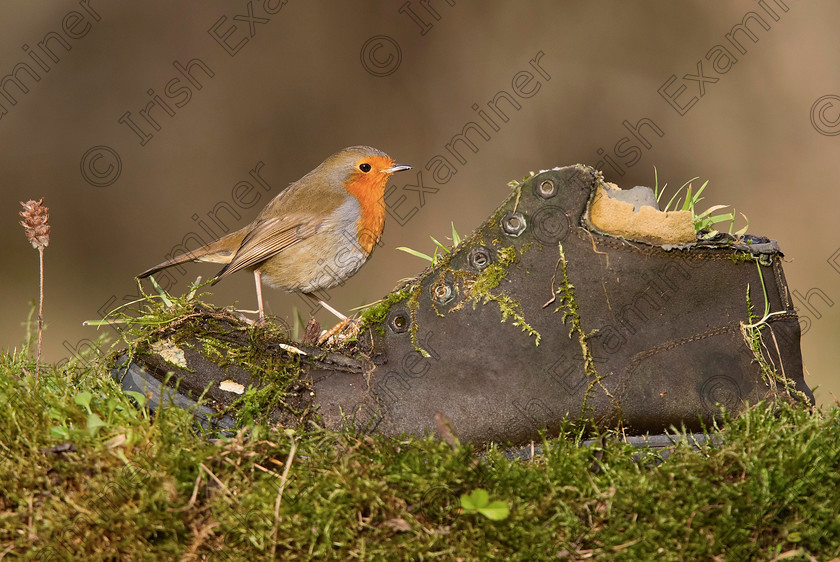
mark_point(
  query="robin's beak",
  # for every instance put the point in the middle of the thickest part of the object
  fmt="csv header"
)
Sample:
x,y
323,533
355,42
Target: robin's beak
x,y
396,168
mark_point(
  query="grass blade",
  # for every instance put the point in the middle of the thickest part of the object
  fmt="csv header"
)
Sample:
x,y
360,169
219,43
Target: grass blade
x,y
687,204
699,191
439,245
417,254
743,231
163,295
668,206
656,192
711,210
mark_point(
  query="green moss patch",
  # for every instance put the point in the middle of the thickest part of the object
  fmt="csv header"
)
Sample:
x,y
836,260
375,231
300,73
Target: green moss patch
x,y
568,304
480,289
141,486
169,333
374,317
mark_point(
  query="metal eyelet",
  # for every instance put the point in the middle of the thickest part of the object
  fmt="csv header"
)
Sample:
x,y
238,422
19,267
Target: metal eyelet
x,y
399,323
547,189
514,224
479,258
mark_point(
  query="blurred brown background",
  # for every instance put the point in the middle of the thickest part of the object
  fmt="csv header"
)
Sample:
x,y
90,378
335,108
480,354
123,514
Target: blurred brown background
x,y
291,87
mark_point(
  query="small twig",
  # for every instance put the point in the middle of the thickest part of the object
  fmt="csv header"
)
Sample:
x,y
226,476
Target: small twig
x,y
215,478
200,534
283,479
597,251
560,260
518,195
268,470
40,312
32,534
779,353
767,313
193,497
444,427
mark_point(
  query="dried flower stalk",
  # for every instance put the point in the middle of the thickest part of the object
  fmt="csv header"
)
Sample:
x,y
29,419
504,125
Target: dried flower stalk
x,y
35,216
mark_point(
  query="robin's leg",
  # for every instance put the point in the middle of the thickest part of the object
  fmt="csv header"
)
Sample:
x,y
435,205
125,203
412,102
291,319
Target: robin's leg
x,y
258,283
338,315
335,329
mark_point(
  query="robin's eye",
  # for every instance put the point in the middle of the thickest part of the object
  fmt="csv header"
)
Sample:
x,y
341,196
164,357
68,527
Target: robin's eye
x,y
365,167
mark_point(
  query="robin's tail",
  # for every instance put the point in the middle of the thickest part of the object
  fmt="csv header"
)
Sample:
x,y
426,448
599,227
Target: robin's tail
x,y
220,251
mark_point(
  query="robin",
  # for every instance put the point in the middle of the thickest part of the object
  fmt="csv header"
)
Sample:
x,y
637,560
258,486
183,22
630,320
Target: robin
x,y
313,235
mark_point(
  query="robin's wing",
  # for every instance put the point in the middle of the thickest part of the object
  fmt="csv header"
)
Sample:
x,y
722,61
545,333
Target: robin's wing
x,y
267,239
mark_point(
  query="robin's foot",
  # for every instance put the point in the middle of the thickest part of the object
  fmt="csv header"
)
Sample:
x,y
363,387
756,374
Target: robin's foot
x,y
260,321
241,315
342,331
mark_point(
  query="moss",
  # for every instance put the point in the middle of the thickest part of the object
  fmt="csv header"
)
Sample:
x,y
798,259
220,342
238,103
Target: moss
x,y
740,257
755,342
275,383
276,377
224,340
413,305
566,292
571,313
481,290
73,490
512,308
477,288
493,274
374,317
152,482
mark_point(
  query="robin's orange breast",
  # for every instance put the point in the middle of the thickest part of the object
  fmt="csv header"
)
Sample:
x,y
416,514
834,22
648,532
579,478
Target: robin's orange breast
x,y
369,191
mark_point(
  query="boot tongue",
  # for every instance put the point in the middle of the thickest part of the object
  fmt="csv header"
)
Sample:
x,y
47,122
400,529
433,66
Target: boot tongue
x,y
634,214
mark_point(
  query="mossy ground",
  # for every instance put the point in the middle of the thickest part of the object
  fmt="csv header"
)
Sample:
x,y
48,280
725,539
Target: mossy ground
x,y
178,323
97,477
